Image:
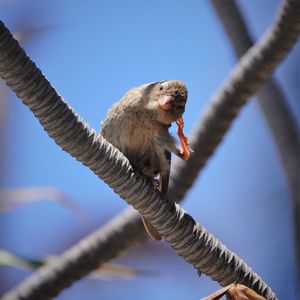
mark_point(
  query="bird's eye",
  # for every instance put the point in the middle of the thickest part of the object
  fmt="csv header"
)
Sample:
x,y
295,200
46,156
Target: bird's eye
x,y
161,88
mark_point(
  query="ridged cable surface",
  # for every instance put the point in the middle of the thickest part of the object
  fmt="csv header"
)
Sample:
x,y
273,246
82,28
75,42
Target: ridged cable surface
x,y
253,68
189,239
274,107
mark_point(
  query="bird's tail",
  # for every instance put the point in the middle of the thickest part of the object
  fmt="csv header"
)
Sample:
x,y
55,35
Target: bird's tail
x,y
151,230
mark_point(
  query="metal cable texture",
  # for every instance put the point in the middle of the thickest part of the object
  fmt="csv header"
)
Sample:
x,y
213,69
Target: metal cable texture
x,y
253,68
70,132
274,106
189,250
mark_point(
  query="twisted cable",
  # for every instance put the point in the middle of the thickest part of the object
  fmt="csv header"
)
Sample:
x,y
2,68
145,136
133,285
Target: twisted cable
x,y
252,70
72,134
190,240
274,106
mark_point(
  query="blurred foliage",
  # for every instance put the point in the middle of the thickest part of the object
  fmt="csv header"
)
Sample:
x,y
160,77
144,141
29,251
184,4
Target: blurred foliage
x,y
106,271
11,199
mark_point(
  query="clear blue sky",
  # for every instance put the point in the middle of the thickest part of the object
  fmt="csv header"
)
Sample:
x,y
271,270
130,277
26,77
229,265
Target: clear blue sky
x,y
92,53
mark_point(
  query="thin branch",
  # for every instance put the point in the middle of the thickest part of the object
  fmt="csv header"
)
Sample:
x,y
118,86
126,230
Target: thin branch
x,y
274,107
190,240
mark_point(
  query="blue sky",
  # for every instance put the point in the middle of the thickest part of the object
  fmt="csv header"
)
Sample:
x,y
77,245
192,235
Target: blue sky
x,y
92,53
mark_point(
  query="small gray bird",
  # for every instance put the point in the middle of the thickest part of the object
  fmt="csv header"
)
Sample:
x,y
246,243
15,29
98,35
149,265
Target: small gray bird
x,y
138,126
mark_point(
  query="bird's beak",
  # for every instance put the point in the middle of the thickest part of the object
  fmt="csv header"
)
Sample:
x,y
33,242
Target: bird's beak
x,y
165,102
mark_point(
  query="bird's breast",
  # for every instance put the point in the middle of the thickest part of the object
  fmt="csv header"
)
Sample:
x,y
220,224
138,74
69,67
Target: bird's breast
x,y
140,150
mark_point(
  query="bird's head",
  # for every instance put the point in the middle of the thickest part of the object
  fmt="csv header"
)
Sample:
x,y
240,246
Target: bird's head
x,y
166,100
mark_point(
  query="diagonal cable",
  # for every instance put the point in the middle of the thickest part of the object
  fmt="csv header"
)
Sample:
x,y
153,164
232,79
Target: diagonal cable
x,y
274,106
192,242
255,67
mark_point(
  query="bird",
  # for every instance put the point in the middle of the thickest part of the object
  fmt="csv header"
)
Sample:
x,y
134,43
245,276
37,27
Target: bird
x,y
138,125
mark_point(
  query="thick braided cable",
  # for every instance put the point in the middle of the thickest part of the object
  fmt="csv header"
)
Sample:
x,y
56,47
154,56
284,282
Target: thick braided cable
x,y
253,69
189,239
274,107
